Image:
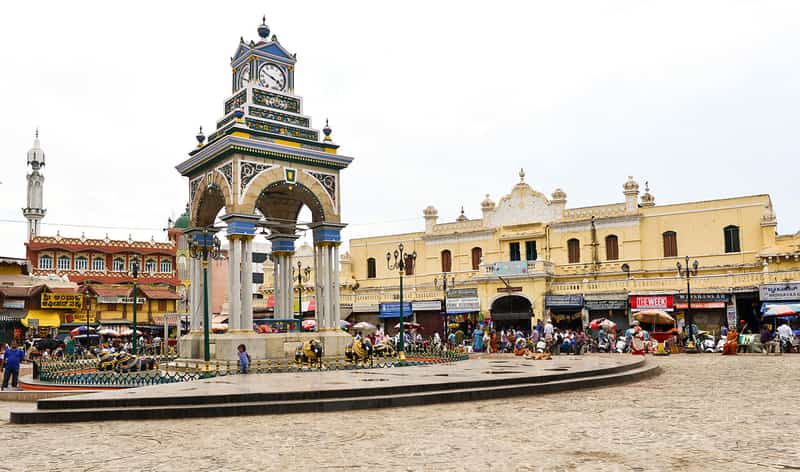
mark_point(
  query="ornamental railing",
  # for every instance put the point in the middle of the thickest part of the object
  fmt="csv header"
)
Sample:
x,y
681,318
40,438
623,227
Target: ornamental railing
x,y
85,373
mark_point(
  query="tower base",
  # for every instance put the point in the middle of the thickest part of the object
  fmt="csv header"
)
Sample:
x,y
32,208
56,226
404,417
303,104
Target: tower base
x,y
272,346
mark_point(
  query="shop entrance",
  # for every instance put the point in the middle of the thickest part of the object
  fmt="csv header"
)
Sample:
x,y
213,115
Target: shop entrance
x,y
511,311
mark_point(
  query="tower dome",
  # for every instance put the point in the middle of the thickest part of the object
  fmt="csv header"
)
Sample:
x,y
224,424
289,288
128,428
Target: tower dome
x,y
630,186
559,196
36,153
487,204
430,212
648,199
263,29
183,221
462,216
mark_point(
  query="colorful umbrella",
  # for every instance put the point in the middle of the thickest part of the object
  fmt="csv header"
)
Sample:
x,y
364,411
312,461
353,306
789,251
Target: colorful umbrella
x,y
108,332
408,325
308,325
344,324
80,330
364,326
783,309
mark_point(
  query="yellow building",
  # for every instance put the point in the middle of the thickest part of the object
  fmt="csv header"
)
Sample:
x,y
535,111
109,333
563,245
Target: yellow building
x,y
531,257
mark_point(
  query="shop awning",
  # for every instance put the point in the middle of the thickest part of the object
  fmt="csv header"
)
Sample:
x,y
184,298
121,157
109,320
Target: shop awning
x,y
47,319
159,293
780,309
511,316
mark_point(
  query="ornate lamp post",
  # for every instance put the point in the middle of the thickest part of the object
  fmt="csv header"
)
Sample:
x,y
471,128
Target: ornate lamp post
x,y
208,248
444,282
135,273
399,264
302,276
688,272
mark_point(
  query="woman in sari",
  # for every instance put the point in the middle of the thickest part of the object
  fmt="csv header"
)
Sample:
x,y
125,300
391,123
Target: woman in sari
x,y
637,340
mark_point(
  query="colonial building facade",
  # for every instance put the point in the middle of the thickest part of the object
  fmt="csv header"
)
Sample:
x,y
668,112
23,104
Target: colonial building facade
x,y
531,257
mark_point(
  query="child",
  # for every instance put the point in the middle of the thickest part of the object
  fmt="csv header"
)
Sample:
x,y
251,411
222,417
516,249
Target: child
x,y
244,359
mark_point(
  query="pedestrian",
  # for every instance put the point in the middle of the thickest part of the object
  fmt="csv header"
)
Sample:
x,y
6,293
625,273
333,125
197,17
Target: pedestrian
x,y
244,359
12,359
548,328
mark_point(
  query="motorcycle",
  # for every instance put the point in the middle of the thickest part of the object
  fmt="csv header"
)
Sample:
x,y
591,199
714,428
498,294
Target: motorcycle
x,y
603,344
622,346
705,342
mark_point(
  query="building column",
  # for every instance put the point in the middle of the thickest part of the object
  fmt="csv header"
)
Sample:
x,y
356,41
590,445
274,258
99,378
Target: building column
x,y
195,294
234,281
319,289
336,315
246,320
327,237
282,251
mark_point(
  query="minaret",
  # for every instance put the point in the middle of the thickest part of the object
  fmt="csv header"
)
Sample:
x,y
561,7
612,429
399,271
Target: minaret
x,y
34,211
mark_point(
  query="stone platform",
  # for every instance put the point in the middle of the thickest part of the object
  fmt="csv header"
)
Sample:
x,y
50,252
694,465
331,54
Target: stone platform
x,y
272,346
485,377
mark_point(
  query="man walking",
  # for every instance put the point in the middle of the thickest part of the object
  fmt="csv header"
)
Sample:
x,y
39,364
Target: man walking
x,y
13,357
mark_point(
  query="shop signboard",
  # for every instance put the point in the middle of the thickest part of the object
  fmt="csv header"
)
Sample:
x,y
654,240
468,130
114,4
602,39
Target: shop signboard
x,y
17,304
784,291
703,300
652,302
509,289
61,300
366,307
463,305
606,304
69,318
427,305
392,310
563,301
731,315
510,268
120,300
462,293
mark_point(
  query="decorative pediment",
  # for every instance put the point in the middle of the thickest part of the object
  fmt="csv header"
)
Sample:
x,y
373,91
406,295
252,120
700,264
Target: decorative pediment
x,y
275,49
523,205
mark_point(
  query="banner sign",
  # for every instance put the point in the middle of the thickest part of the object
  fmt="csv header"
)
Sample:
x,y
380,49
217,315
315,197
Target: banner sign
x,y
606,304
427,305
652,302
393,309
785,291
700,305
462,293
731,315
563,300
69,318
123,300
510,268
463,305
366,307
61,300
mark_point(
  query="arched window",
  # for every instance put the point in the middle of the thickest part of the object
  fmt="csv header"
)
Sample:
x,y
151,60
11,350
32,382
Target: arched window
x,y
574,251
670,244
409,264
150,265
447,261
612,248
732,239
64,262
118,264
477,254
45,262
166,266
98,264
81,263
371,272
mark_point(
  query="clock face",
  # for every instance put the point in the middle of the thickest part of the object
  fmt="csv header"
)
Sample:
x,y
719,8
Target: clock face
x,y
272,76
244,76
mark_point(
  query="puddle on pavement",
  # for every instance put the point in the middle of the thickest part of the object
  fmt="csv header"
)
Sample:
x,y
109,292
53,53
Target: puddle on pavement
x,y
374,380
501,372
559,368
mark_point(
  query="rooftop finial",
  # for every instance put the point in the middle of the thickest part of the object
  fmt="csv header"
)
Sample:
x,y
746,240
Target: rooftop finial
x,y
263,29
521,175
37,132
327,131
646,186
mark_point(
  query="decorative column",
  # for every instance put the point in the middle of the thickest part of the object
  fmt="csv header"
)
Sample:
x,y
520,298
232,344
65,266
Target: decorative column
x,y
282,251
246,323
241,230
234,282
327,238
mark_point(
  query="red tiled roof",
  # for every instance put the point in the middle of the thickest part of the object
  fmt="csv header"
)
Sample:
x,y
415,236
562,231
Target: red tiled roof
x,y
110,291
62,290
159,293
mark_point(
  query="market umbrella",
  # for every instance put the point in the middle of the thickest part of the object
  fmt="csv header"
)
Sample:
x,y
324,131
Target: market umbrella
x,y
783,309
344,324
128,332
108,332
408,325
604,323
654,317
308,325
364,326
80,330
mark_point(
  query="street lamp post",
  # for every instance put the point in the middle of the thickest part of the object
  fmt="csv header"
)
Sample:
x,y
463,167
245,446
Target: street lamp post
x,y
135,273
302,276
688,272
208,248
444,283
399,264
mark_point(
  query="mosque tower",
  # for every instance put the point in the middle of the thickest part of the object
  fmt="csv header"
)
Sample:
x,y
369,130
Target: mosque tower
x,y
33,211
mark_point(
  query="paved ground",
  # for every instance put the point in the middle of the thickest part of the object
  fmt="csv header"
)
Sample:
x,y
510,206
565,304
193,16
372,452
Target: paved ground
x,y
705,412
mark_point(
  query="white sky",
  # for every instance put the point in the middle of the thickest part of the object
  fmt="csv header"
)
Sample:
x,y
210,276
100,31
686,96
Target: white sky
x,y
439,102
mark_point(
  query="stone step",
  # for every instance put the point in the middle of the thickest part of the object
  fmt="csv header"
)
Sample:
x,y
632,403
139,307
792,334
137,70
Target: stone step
x,y
77,402
442,395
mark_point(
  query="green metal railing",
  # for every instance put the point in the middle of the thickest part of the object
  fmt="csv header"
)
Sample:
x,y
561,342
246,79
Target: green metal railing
x,y
83,372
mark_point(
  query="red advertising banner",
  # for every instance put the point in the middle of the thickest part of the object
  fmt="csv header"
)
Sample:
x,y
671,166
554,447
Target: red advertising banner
x,y
651,302
701,305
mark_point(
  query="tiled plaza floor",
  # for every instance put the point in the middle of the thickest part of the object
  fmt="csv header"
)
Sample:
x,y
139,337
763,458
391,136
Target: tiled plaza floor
x,y
704,412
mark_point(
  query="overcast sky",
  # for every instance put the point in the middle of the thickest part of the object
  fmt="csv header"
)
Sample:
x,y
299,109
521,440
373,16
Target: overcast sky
x,y
439,102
